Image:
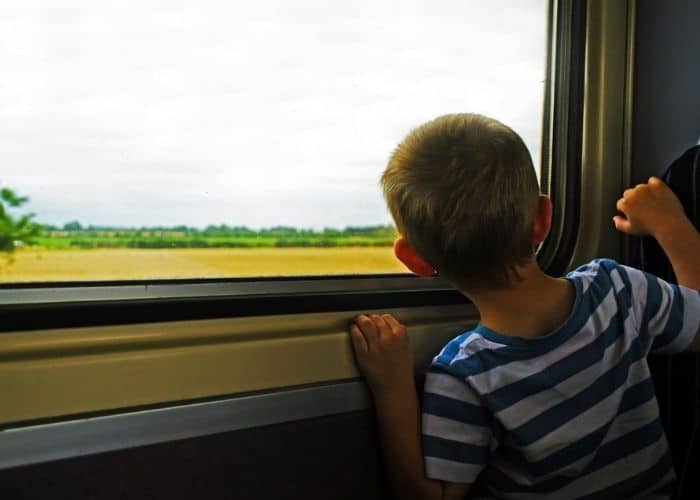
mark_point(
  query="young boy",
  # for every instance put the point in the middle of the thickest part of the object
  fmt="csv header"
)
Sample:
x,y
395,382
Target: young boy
x,y
550,395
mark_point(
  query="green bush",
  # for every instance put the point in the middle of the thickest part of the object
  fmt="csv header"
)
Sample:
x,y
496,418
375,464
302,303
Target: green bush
x,y
15,230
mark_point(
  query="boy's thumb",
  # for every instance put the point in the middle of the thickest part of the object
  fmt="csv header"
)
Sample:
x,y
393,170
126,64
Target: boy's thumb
x,y
622,224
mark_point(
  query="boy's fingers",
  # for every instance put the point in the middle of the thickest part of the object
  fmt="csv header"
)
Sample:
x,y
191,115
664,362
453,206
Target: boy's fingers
x,y
368,328
622,224
383,329
655,181
396,327
621,204
391,321
358,339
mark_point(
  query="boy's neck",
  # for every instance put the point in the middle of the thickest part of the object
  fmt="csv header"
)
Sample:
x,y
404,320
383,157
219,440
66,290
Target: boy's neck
x,y
532,307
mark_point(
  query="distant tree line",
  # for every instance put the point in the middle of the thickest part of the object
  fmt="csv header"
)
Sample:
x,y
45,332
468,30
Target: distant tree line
x,y
75,235
20,230
221,229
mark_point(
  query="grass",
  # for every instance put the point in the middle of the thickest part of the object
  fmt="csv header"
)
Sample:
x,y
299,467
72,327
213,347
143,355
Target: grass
x,y
212,237
35,264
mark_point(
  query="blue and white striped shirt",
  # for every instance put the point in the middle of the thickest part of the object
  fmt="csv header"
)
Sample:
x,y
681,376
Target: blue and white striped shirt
x,y
572,414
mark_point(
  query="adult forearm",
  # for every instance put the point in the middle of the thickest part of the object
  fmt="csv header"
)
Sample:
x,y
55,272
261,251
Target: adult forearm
x,y
399,426
681,243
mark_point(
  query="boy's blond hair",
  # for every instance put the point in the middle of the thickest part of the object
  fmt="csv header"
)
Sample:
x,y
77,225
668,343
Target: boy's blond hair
x,y
463,192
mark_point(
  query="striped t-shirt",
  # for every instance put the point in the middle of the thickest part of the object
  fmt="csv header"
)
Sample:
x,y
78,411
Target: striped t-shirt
x,y
572,414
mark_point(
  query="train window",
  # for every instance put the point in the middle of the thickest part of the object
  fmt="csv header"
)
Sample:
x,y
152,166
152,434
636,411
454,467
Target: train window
x,y
143,135
211,139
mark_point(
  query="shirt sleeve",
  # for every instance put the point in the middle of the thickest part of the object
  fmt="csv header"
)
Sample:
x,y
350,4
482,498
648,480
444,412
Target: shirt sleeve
x,y
457,431
667,315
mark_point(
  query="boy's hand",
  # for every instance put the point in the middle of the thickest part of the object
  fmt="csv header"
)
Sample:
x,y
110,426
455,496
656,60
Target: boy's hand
x,y
648,209
383,353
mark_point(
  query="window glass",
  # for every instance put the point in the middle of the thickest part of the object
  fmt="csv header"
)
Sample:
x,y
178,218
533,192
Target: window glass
x,y
162,139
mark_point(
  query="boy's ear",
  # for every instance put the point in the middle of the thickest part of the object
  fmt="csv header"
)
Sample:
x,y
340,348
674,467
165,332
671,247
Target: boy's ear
x,y
410,258
543,219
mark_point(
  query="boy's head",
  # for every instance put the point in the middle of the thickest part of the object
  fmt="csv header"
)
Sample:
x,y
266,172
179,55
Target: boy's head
x,y
463,193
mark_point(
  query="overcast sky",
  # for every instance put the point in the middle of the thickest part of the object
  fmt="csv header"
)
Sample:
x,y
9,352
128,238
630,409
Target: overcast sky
x,y
265,113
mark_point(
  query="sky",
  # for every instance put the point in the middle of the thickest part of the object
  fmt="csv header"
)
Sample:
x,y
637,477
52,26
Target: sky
x,y
260,113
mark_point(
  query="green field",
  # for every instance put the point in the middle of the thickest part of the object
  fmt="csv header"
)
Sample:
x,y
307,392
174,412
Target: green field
x,y
222,236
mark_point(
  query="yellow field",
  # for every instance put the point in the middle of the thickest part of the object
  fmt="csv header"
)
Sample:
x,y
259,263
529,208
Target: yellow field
x,y
126,264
